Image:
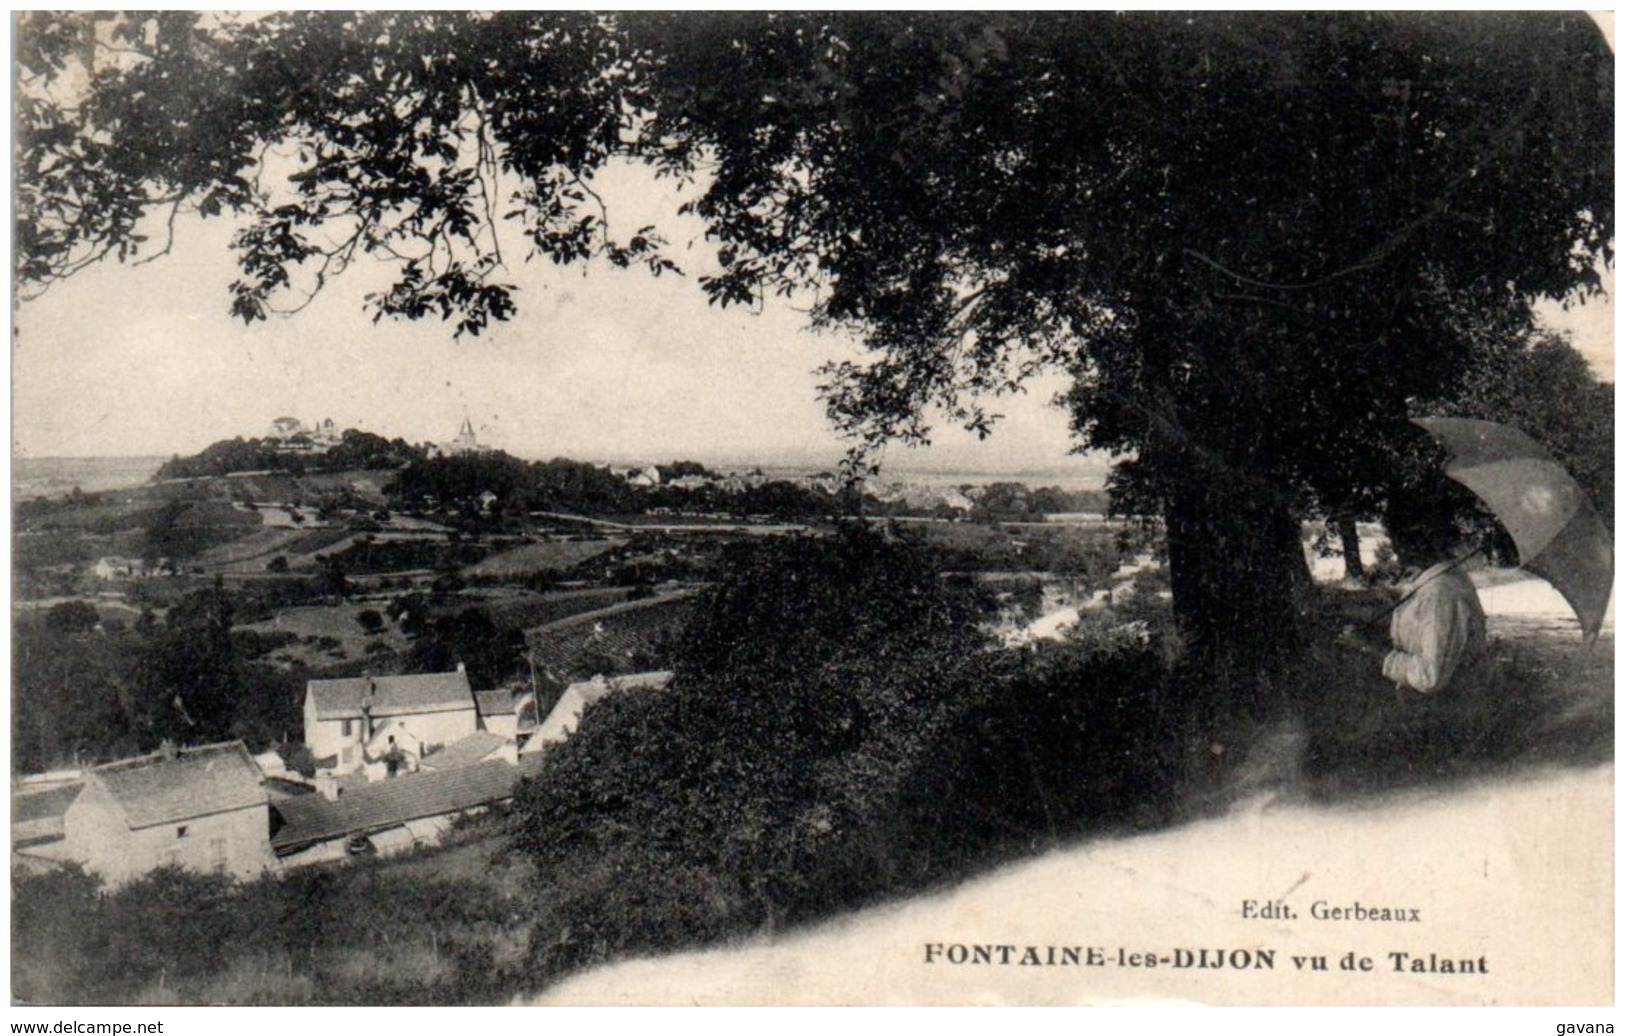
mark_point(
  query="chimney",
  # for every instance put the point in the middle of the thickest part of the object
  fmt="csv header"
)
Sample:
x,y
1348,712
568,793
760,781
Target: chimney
x,y
168,750
461,668
369,695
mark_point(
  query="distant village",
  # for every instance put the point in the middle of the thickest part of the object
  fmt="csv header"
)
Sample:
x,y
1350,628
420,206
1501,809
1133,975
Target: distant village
x,y
292,437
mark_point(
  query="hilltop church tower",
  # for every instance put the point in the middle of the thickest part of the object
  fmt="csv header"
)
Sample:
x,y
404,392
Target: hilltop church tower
x,y
465,441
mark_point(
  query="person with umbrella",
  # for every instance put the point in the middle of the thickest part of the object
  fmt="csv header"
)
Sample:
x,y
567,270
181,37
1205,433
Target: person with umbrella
x,y
1437,626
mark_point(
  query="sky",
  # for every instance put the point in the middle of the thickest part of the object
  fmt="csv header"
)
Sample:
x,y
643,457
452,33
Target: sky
x,y
599,364
605,365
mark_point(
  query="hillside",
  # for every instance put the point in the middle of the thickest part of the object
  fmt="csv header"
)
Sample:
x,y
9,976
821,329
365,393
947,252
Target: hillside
x,y
1506,856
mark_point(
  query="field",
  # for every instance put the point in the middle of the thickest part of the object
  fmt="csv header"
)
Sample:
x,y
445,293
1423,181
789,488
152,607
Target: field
x,y
329,634
528,612
552,556
252,553
278,488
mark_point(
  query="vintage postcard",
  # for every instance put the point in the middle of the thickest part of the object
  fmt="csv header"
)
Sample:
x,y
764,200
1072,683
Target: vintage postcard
x,y
798,509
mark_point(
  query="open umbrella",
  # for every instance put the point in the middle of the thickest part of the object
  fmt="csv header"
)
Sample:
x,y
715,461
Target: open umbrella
x,y
1557,530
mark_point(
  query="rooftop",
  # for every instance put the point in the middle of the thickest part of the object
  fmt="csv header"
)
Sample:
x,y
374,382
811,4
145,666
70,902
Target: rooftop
x,y
465,751
312,818
392,695
494,703
183,783
50,802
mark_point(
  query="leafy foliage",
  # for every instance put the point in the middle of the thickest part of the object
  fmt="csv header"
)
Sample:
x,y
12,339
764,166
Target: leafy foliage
x,y
834,703
469,637
82,697
1248,238
367,936
355,450
71,617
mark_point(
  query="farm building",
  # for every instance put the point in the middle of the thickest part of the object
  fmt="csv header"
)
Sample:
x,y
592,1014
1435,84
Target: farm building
x,y
118,568
203,809
391,815
506,712
351,722
38,810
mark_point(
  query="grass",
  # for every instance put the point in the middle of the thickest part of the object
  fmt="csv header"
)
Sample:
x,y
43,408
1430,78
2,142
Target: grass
x,y
446,925
553,556
337,621
256,550
1545,700
532,611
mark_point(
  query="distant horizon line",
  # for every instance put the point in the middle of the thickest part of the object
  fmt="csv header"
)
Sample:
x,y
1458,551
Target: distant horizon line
x,y
1093,465
1091,460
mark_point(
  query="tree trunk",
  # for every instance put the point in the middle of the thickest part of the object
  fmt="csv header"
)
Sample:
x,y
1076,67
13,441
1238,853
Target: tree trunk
x,y
1349,533
1239,579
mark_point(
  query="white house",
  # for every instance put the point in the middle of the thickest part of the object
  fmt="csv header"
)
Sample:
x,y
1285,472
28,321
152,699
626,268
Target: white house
x,y
118,568
364,719
647,478
203,809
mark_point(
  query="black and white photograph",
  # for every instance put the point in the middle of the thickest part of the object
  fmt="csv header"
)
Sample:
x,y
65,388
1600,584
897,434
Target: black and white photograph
x,y
812,508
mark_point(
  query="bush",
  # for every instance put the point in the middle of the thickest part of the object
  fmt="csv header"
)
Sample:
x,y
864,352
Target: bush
x,y
71,617
52,918
837,730
366,934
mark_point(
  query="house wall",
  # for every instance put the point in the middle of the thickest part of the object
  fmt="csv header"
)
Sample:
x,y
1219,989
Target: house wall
x,y
322,738
561,722
237,843
424,730
502,724
326,737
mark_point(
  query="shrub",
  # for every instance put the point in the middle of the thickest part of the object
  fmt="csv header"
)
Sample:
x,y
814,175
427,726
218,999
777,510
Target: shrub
x,y
837,729
71,617
52,918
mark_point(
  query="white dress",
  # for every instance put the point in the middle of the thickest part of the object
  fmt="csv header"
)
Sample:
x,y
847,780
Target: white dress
x,y
1437,632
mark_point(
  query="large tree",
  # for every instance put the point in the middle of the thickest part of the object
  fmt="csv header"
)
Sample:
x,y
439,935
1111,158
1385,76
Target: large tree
x,y
1247,238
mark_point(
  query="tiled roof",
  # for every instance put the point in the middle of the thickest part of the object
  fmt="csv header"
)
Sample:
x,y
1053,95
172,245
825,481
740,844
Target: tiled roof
x,y
40,805
610,641
494,703
395,695
312,818
190,782
464,751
